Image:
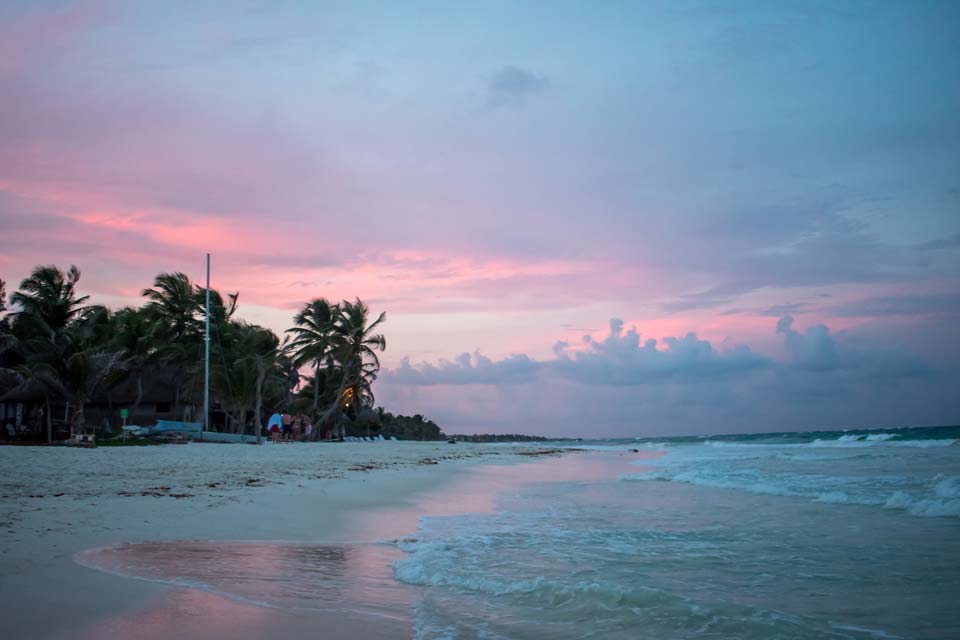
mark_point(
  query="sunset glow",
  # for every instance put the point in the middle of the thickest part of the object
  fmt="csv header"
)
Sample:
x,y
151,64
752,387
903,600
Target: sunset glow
x,y
505,197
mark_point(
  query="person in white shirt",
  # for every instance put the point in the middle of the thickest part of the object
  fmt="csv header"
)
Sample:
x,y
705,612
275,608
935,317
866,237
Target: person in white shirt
x,y
274,424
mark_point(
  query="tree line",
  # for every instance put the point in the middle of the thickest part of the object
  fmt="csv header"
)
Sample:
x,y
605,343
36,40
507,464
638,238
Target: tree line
x,y
53,340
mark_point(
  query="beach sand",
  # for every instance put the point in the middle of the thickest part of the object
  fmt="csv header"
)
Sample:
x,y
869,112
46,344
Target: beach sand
x,y
339,499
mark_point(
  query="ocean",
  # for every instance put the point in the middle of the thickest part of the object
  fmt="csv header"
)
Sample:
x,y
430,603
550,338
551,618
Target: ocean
x,y
839,535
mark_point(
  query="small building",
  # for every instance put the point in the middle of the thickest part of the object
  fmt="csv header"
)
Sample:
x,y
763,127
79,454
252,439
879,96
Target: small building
x,y
23,407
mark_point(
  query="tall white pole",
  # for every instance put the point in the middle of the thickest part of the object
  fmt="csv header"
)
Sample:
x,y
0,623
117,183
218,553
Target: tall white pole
x,y
206,362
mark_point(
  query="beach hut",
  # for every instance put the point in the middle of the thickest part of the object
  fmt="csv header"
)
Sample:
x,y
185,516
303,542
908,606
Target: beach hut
x,y
367,418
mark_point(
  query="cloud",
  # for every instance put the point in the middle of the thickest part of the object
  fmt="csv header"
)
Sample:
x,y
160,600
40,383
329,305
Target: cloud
x,y
816,350
511,86
621,359
900,305
772,311
478,369
949,242
813,242
623,385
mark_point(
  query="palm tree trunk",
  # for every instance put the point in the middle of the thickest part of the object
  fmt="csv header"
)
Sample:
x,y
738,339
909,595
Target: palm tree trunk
x,y
316,385
336,400
78,418
261,374
136,403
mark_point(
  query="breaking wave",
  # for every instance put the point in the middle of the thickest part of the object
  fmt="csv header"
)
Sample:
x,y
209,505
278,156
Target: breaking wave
x,y
895,470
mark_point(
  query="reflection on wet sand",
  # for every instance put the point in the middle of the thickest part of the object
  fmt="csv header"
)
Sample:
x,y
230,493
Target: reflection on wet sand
x,y
191,614
352,583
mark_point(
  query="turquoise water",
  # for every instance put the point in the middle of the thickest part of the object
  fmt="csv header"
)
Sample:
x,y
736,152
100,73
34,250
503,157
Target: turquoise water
x,y
828,535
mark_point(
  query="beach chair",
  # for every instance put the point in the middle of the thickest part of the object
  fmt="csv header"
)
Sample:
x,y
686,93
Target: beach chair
x,y
393,438
85,440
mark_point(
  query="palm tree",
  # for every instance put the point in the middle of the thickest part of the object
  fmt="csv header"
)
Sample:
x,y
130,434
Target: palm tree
x,y
356,350
37,372
264,353
48,326
357,344
364,384
68,368
312,339
47,301
133,333
172,305
82,375
253,366
175,307
221,312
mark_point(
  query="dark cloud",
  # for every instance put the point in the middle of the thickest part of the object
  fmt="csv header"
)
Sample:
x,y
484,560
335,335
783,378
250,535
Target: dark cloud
x,y
478,369
950,242
813,243
772,311
817,350
624,385
713,297
622,359
902,305
511,86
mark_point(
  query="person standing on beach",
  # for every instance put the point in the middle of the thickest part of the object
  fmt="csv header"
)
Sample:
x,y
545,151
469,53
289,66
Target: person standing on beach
x,y
274,425
297,426
307,428
287,420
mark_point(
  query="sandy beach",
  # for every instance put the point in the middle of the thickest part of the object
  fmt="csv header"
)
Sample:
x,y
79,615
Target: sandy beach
x,y
56,503
840,536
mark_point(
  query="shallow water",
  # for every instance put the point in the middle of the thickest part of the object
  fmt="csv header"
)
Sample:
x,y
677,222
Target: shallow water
x,y
346,579
830,535
849,536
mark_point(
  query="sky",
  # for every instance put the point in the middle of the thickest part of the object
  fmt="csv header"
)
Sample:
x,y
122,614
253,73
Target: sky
x,y
581,218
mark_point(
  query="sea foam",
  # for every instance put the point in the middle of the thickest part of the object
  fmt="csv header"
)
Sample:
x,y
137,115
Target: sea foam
x,y
867,469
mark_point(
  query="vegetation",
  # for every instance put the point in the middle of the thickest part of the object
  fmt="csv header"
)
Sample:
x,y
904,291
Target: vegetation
x,y
502,437
53,342
409,427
